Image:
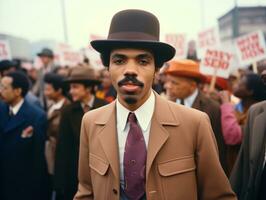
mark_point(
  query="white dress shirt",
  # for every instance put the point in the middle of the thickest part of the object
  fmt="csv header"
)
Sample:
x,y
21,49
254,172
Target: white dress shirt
x,y
16,108
56,106
143,114
188,102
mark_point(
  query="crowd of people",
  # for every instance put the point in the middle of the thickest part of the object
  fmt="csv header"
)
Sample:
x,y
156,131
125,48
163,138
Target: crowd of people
x,y
41,114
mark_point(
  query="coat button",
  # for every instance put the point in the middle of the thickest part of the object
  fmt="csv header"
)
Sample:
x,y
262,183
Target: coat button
x,y
115,191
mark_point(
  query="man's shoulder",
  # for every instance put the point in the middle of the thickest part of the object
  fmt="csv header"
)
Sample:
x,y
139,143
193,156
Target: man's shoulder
x,y
184,112
32,110
102,112
208,101
258,108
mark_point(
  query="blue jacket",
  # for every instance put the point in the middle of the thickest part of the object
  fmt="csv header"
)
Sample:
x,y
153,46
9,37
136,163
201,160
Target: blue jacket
x,y
23,170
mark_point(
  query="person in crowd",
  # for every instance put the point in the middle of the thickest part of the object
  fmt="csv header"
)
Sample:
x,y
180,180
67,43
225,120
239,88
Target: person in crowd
x,y
182,85
82,82
23,169
47,65
248,178
142,146
250,91
54,90
7,66
106,90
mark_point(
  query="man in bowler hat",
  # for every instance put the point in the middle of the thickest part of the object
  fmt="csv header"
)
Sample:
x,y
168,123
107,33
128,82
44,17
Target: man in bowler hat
x,y
142,146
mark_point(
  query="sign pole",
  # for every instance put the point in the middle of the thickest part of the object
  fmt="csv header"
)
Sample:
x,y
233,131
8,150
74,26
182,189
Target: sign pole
x,y
213,80
255,67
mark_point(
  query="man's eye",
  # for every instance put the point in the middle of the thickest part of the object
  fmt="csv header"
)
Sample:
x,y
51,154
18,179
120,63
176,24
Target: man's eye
x,y
143,61
118,61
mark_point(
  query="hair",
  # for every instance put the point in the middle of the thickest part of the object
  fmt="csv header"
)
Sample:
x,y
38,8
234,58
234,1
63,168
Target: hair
x,y
56,80
255,84
20,80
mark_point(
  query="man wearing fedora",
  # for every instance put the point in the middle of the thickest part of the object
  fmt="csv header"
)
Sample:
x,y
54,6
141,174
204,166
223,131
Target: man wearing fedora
x,y
82,81
182,85
142,146
47,58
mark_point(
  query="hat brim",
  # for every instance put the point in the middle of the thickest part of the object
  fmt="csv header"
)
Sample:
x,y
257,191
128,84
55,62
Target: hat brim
x,y
41,54
163,52
188,74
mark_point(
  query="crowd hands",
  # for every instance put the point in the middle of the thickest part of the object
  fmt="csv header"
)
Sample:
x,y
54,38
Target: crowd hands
x,y
44,108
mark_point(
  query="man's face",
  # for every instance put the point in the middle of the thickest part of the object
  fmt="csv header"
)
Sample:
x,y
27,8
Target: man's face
x,y
178,87
132,73
241,90
78,91
45,60
7,92
50,92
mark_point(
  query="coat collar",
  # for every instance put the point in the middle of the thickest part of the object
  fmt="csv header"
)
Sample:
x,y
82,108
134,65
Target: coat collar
x,y
18,119
158,134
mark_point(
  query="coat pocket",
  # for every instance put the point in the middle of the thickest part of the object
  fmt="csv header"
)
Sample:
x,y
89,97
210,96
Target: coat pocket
x,y
98,164
177,166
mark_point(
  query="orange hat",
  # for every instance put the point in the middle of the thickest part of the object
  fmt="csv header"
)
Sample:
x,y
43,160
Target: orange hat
x,y
186,68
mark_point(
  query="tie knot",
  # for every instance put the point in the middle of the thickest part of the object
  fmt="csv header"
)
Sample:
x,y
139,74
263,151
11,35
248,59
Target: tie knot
x,y
132,118
86,108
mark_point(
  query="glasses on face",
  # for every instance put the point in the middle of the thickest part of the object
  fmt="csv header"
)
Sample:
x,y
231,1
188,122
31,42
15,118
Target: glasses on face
x,y
4,87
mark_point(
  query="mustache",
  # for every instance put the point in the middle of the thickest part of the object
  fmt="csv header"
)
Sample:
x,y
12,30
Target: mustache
x,y
130,79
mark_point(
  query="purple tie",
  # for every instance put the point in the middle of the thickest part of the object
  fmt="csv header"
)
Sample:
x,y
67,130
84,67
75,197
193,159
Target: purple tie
x,y
135,161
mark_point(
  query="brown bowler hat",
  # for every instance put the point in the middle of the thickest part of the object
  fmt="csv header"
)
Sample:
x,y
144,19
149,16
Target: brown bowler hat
x,y
85,75
185,68
134,29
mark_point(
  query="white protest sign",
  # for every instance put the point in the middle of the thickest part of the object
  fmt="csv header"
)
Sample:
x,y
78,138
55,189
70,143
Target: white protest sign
x,y
5,53
66,56
217,62
92,54
250,48
208,38
179,41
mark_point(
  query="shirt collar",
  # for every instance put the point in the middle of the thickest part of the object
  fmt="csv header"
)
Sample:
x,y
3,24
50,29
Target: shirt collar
x,y
58,104
143,113
189,100
16,108
90,103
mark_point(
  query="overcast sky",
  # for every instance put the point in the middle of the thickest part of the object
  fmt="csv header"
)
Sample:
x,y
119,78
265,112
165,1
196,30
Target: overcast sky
x,y
42,19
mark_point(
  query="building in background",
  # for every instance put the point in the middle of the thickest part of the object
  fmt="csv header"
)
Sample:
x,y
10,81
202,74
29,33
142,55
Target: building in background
x,y
241,20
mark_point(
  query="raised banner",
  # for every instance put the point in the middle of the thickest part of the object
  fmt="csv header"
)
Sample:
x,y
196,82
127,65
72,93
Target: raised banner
x,y
179,41
208,38
217,62
5,53
250,48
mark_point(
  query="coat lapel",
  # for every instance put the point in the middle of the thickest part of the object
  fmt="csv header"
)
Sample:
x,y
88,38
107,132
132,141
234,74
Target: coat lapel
x,y
197,104
158,132
18,119
108,137
258,137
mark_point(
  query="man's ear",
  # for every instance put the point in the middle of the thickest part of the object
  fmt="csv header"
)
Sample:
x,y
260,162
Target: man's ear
x,y
18,91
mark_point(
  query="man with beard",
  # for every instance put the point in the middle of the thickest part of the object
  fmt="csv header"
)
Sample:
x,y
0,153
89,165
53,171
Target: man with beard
x,y
142,146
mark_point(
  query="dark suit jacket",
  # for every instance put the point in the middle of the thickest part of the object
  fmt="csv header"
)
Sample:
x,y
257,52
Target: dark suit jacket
x,y
67,152
246,175
212,108
23,171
